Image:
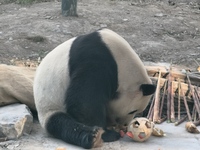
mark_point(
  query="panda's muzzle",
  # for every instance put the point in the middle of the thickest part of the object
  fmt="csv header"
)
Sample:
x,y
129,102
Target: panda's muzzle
x,y
132,112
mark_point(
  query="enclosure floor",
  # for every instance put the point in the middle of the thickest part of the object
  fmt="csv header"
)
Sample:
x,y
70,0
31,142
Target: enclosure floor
x,y
177,138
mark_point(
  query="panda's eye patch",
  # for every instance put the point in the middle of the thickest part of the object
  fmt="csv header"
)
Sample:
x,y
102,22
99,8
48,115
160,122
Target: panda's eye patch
x,y
132,112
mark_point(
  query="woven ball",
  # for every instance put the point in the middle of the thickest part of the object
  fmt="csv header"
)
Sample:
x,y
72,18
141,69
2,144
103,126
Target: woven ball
x,y
140,129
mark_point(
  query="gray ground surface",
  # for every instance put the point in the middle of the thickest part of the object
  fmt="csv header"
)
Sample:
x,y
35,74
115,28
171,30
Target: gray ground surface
x,y
177,138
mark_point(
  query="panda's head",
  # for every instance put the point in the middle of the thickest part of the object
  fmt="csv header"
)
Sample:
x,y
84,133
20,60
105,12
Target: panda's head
x,y
128,103
134,85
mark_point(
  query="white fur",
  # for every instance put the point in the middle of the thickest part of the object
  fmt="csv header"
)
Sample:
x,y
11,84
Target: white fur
x,y
51,82
131,74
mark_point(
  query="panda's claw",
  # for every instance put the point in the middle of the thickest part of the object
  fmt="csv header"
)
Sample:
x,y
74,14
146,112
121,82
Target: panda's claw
x,y
97,140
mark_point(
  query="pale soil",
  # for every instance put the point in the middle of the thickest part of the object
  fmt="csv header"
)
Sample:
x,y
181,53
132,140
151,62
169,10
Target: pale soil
x,y
157,31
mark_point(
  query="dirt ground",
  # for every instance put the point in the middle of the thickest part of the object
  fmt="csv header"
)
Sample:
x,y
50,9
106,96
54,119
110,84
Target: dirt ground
x,y
159,31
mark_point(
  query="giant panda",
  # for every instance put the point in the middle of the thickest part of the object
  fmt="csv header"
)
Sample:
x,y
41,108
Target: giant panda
x,y
88,84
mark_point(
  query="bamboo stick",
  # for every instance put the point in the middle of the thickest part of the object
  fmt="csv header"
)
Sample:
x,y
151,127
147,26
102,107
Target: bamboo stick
x,y
161,120
163,99
196,123
179,100
196,102
194,113
186,105
180,121
169,97
185,87
195,78
151,115
197,93
151,112
172,116
157,101
151,108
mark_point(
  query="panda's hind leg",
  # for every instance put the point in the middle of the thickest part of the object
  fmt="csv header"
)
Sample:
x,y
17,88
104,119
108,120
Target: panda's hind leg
x,y
63,127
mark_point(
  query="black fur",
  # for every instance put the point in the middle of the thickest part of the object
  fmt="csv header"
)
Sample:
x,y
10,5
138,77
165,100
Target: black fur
x,y
147,89
63,127
93,82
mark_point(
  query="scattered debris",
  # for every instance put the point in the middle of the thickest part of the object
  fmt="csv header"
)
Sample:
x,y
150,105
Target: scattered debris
x,y
190,127
61,148
159,15
158,132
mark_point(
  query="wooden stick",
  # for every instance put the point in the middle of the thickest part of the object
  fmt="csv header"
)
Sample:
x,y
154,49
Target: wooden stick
x,y
157,101
151,112
194,113
195,78
186,105
179,100
169,97
196,102
151,108
172,104
151,115
180,121
197,93
163,99
161,120
196,123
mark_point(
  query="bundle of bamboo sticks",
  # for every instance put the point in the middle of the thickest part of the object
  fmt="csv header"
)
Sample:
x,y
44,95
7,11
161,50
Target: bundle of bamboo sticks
x,y
177,96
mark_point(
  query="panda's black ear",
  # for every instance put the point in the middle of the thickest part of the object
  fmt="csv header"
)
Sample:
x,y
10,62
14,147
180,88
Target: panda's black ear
x,y
147,89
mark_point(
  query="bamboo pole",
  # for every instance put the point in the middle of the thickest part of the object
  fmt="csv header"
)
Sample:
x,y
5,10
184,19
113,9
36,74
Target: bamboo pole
x,y
169,97
194,113
161,120
196,101
181,120
196,123
163,99
197,93
151,108
195,78
172,116
186,105
179,100
157,101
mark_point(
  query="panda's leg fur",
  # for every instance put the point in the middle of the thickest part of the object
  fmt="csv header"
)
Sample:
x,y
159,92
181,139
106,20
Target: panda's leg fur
x,y
62,126
84,122
85,113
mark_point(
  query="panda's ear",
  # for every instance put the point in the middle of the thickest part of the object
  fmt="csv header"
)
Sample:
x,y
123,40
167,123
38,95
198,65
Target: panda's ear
x,y
147,89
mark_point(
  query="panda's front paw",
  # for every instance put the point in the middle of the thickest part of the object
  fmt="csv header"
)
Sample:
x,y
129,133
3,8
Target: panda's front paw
x,y
110,136
93,138
97,134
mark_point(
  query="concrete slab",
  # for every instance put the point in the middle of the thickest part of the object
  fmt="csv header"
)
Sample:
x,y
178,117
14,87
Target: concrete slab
x,y
177,138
